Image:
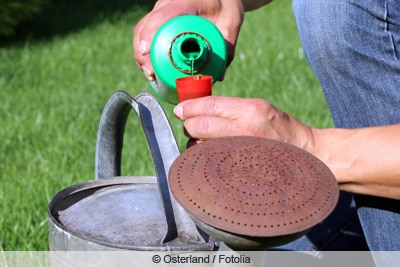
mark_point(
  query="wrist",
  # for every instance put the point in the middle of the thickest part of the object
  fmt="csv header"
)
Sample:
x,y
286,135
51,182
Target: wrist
x,y
332,147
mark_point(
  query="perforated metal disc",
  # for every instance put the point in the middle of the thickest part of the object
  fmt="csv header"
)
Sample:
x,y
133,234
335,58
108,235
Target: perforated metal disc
x,y
253,186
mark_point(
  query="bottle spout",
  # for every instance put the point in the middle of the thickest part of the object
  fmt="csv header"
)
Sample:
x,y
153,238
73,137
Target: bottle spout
x,y
190,52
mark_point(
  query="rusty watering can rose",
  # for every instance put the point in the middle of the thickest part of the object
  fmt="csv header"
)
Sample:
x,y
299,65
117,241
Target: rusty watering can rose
x,y
253,188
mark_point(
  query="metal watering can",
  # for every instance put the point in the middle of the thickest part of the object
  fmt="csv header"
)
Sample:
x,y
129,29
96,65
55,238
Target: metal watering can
x,y
113,212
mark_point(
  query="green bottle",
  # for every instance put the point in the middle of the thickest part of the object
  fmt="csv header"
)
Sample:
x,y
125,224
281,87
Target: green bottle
x,y
184,46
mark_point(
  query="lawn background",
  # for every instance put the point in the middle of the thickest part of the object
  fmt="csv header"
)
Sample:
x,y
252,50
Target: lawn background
x,y
58,72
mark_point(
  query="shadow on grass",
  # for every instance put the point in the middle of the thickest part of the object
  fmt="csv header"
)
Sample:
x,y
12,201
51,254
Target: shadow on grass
x,y
61,17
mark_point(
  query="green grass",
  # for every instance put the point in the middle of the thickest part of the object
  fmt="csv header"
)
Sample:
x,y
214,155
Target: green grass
x,y
55,81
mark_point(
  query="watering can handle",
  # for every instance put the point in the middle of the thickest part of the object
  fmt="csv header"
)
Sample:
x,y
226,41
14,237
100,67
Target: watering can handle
x,y
110,136
163,147
160,138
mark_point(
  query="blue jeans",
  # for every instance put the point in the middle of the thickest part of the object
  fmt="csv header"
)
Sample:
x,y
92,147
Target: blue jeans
x,y
353,46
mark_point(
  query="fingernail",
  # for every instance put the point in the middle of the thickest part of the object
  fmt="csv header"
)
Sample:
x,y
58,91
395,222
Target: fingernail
x,y
178,111
142,47
149,74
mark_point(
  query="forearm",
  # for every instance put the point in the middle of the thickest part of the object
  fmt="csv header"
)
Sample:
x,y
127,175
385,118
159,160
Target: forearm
x,y
254,4
365,161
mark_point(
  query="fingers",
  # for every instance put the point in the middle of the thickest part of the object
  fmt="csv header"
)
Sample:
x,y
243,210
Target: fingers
x,y
215,116
141,49
142,38
205,128
213,106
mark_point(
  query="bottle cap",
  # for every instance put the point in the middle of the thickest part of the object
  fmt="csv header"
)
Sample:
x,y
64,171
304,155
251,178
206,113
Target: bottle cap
x,y
193,87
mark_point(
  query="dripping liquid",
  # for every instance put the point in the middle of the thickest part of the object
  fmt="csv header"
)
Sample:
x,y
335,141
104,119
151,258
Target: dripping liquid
x,y
192,66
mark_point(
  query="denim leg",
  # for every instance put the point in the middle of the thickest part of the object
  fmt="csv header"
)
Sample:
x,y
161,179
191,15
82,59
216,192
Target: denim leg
x,y
353,46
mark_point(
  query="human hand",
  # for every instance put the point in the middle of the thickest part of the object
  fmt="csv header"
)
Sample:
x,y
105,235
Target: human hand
x,y
227,15
215,116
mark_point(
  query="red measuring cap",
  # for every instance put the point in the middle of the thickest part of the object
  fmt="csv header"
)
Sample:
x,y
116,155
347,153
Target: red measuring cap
x,y
193,87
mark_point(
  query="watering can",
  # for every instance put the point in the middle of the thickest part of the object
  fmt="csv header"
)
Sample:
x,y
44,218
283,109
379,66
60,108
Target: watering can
x,y
253,208
114,212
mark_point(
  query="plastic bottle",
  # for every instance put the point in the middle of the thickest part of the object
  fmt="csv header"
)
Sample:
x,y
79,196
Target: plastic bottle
x,y
185,46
